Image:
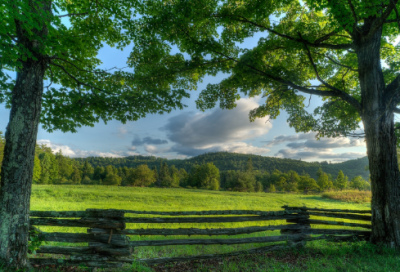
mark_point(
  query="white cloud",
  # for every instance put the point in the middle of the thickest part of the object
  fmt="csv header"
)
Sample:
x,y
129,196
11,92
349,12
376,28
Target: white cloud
x,y
237,147
307,147
318,155
78,153
122,131
218,130
290,138
150,148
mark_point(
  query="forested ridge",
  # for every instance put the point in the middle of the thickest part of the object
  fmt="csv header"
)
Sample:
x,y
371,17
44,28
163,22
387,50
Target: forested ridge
x,y
233,161
212,171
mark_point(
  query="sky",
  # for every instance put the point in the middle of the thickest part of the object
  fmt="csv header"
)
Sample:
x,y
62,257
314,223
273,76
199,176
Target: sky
x,y
189,132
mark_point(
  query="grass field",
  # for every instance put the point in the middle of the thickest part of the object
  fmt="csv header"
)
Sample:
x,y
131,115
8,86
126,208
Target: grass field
x,y
317,255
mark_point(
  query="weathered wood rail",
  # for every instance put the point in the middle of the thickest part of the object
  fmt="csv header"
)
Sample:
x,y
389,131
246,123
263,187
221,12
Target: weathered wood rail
x,y
108,244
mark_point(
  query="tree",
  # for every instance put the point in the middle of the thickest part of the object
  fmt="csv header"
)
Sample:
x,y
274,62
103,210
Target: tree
x,y
112,179
46,164
76,176
99,173
65,168
174,176
359,183
319,172
249,165
281,184
307,184
243,181
87,170
141,176
327,48
341,181
37,170
164,175
183,177
37,45
272,189
259,187
205,176
323,181
155,173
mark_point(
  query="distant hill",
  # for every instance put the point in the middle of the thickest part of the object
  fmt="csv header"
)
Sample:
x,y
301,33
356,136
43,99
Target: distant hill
x,y
234,161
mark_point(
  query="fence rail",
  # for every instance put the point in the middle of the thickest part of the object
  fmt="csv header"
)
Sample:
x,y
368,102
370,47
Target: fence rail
x,y
109,246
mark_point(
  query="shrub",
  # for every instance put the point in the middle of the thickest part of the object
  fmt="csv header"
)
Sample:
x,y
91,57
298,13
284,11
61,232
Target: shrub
x,y
349,196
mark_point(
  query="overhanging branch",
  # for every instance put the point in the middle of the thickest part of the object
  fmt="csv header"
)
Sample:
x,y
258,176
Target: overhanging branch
x,y
397,16
378,22
78,82
316,44
392,91
337,63
333,93
73,14
316,70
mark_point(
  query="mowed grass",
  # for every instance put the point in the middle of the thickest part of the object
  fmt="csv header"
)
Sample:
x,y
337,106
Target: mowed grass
x,y
354,196
77,198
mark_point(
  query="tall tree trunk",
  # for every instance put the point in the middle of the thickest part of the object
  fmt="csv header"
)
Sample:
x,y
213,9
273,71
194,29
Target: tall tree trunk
x,y
381,145
17,167
20,136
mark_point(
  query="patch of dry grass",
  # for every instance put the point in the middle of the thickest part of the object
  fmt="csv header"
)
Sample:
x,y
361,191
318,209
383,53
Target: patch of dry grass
x,y
354,196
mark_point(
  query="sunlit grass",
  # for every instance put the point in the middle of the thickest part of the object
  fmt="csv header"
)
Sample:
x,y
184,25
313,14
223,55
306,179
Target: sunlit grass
x,y
77,198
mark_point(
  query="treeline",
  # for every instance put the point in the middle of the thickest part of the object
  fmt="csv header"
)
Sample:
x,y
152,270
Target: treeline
x,y
225,161
252,180
56,168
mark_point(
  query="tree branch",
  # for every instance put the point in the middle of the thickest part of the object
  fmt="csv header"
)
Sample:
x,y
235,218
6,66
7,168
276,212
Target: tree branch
x,y
316,71
334,93
325,37
397,16
88,71
353,12
396,110
72,14
392,91
337,63
314,44
74,78
378,22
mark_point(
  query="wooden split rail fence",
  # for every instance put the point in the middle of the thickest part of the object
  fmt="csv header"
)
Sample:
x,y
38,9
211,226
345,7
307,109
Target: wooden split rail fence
x,y
108,243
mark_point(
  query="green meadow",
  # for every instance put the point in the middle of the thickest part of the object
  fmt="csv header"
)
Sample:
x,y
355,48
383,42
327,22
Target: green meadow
x,y
63,198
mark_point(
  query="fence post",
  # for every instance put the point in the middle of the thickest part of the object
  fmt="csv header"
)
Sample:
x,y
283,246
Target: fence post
x,y
298,222
115,252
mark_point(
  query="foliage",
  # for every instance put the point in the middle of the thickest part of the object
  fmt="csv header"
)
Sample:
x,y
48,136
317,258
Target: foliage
x,y
205,176
323,181
141,176
81,171
359,183
341,181
225,161
35,240
86,93
308,184
37,170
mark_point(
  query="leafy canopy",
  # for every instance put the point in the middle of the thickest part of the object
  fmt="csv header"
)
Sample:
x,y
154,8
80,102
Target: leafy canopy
x,y
302,42
80,93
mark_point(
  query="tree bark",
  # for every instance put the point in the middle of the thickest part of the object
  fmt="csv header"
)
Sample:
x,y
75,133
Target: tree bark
x,y
19,151
378,123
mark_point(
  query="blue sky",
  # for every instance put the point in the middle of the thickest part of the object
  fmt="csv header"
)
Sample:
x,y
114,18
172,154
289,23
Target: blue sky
x,y
190,132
